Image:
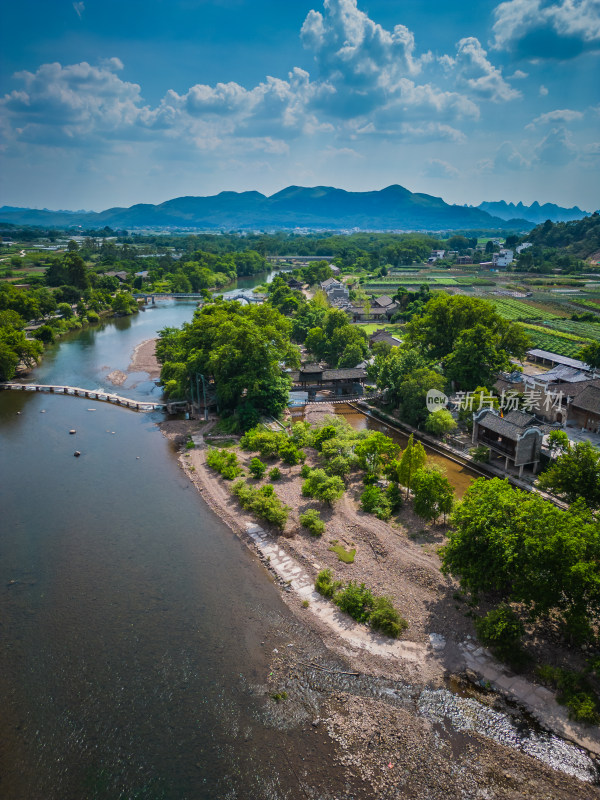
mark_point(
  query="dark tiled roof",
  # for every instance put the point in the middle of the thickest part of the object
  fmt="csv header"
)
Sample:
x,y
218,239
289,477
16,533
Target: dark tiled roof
x,y
326,375
588,400
520,418
384,336
509,427
344,374
575,389
383,301
508,386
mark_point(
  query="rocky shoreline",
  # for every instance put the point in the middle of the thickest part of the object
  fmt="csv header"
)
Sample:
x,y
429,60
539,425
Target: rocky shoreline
x,y
389,561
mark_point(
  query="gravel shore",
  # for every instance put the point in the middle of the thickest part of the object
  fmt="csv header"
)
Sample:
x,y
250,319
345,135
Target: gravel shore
x,y
428,759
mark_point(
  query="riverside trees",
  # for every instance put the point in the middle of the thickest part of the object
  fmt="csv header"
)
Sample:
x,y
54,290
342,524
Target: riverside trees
x,y
239,349
520,548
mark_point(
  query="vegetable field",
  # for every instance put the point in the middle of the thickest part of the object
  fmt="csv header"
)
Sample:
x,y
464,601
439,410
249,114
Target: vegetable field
x,y
563,344
582,330
515,310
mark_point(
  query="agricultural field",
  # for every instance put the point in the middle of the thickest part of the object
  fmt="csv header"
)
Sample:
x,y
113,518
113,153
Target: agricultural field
x,y
515,310
582,330
564,344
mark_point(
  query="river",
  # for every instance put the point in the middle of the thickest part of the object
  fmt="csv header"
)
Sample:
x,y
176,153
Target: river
x,y
136,630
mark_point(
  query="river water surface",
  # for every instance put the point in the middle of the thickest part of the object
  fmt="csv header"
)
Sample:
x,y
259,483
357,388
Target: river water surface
x,y
136,631
135,628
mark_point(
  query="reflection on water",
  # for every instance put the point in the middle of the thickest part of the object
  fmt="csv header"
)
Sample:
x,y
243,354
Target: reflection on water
x,y
136,629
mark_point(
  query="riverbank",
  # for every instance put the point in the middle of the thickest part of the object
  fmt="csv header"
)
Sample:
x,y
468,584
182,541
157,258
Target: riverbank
x,y
400,561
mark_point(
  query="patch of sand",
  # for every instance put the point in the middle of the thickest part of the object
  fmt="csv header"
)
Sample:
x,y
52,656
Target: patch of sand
x,y
144,359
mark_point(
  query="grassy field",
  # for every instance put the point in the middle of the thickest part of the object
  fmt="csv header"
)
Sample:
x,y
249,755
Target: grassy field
x,y
371,327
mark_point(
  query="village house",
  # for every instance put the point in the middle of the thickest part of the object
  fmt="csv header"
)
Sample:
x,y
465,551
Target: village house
x,y
384,336
335,290
435,255
584,408
514,437
503,258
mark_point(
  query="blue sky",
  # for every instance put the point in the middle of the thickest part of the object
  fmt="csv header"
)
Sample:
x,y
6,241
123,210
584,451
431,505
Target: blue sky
x,y
108,103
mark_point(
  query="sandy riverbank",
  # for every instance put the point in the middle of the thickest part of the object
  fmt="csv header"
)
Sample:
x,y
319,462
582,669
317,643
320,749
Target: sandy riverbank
x,y
400,561
144,359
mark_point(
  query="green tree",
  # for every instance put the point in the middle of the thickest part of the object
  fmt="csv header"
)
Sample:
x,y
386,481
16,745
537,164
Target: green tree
x,y
575,474
433,493
446,317
323,487
76,271
413,458
520,546
392,369
558,442
240,350
375,451
413,394
65,310
257,468
590,355
440,423
477,358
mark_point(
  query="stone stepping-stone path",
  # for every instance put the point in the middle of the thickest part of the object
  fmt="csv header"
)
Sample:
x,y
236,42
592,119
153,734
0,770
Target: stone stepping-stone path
x,y
353,633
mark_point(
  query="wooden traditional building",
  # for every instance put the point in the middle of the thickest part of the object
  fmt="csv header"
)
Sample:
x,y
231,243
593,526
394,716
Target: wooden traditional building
x,y
514,437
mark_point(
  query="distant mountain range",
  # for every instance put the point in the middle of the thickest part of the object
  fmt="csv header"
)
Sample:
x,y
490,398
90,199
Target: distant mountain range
x,y
534,213
319,207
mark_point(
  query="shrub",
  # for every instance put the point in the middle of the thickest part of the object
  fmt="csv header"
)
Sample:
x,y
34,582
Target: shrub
x,y
325,585
257,468
356,600
339,466
326,432
305,471
573,691
224,462
386,619
261,440
263,502
481,453
189,445
301,434
289,453
375,501
45,334
311,520
323,487
274,474
360,603
501,630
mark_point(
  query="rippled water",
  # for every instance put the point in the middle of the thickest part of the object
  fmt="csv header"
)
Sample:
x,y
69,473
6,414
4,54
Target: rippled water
x,y
136,631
